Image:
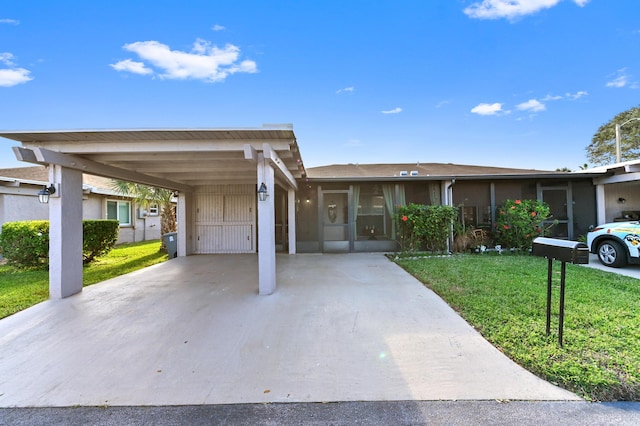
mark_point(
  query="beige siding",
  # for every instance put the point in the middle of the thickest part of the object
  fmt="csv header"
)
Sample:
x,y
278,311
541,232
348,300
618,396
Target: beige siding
x,y
225,219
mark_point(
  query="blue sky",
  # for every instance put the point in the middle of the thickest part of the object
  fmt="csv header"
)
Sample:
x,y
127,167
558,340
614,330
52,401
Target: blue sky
x,y
514,83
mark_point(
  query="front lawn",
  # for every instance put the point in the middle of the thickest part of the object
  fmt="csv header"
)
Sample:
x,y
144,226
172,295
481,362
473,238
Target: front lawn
x,y
20,289
504,298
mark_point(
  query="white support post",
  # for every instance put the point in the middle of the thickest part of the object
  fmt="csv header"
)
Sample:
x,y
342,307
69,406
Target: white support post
x,y
291,209
266,230
601,208
185,221
65,232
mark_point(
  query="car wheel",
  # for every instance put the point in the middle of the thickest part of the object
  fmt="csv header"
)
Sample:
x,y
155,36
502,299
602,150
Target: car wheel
x,y
612,253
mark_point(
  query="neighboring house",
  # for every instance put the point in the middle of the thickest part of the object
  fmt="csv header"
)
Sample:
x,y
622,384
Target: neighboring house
x,y
618,191
19,189
350,207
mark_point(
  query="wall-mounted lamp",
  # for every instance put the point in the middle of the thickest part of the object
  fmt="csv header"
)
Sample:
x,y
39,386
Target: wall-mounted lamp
x,y
262,192
44,193
622,200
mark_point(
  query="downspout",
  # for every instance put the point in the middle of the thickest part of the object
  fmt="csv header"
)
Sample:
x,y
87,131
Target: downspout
x,y
449,202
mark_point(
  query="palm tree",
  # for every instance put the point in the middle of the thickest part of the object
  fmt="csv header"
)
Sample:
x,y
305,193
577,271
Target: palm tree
x,y
144,195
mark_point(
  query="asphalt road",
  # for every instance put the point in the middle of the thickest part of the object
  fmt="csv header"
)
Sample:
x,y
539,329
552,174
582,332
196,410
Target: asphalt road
x,y
340,413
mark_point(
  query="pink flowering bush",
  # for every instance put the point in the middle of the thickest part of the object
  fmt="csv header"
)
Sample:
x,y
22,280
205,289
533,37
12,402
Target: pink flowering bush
x,y
519,222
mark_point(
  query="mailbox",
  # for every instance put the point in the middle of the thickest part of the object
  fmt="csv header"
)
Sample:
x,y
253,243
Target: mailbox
x,y
562,250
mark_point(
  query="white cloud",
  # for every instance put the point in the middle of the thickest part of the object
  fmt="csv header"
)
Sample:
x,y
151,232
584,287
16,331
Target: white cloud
x,y
442,103
131,66
396,110
567,96
13,77
532,105
6,58
577,95
217,27
621,79
204,62
349,89
511,9
487,109
9,21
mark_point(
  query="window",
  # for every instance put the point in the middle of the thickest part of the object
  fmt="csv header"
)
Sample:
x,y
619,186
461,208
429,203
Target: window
x,y
119,210
154,209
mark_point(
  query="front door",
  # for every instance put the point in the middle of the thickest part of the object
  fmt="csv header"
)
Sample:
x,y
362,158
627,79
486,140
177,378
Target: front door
x,y
335,221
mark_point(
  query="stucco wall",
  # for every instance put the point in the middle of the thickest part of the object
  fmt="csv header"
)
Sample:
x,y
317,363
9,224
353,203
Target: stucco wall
x,y
15,208
21,207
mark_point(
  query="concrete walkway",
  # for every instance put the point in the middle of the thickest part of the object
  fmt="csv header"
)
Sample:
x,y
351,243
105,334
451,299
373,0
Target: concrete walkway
x,y
194,331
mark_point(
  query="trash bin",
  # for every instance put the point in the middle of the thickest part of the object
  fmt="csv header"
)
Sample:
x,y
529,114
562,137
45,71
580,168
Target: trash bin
x,y
171,241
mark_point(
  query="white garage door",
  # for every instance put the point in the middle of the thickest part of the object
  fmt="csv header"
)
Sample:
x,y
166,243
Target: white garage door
x,y
225,220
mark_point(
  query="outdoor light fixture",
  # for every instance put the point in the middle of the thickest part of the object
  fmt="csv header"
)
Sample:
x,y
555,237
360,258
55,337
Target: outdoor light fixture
x,y
45,192
262,192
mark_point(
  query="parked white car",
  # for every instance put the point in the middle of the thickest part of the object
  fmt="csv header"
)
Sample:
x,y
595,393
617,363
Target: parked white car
x,y
616,244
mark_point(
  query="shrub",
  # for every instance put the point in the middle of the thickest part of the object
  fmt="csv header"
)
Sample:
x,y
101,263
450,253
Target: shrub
x,y
98,238
519,222
425,227
25,244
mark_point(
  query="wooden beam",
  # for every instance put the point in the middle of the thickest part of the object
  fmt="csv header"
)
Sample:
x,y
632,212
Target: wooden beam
x,y
629,177
250,153
45,156
23,154
152,146
274,159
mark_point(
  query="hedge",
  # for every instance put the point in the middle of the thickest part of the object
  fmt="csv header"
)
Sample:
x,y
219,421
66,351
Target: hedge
x,y
26,244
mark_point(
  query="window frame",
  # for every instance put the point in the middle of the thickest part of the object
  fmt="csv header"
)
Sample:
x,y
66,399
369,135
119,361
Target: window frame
x,y
118,204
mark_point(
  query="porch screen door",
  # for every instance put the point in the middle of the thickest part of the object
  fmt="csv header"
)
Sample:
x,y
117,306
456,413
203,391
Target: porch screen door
x,y
335,221
559,200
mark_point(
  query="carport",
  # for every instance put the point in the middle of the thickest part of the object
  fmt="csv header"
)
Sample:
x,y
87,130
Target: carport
x,y
216,174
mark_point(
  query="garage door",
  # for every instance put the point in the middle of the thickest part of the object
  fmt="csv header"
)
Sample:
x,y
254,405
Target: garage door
x,y
225,223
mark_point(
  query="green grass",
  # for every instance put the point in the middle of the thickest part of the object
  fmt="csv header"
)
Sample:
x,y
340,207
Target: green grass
x,y
504,298
20,289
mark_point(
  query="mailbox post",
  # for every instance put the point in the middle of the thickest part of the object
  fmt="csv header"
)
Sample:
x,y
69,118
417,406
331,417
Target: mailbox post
x,y
564,251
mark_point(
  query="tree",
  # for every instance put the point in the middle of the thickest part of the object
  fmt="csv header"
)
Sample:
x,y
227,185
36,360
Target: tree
x,y
144,196
602,150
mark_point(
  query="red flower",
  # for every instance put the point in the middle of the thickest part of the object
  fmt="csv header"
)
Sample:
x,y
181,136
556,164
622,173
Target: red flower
x,y
513,207
404,218
506,226
518,201
533,214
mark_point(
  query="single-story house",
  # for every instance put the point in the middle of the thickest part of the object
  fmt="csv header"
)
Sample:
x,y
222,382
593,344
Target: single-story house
x,y
19,189
248,191
349,207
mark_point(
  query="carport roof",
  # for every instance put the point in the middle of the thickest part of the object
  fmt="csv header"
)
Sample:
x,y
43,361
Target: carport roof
x,y
172,158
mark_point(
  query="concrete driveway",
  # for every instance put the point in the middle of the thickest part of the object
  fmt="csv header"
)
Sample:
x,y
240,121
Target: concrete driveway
x,y
194,331
629,270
